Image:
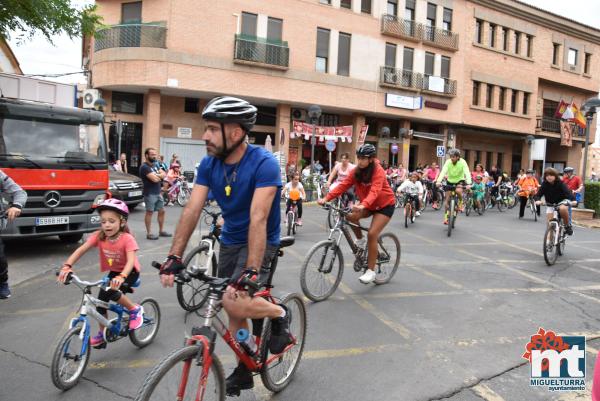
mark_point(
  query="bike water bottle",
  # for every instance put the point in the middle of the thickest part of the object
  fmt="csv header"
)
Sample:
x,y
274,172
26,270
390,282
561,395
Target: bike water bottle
x,y
246,341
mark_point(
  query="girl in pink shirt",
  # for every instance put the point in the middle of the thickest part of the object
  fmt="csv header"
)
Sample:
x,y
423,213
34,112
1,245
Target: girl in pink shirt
x,y
117,249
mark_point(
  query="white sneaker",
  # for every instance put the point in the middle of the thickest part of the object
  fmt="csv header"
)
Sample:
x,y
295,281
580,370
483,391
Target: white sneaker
x,y
368,277
417,213
361,243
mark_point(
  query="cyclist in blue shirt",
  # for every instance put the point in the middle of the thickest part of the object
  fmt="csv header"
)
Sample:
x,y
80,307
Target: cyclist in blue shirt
x,y
246,182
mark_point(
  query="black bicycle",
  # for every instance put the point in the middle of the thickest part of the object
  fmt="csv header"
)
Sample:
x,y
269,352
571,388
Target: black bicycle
x,y
453,203
192,294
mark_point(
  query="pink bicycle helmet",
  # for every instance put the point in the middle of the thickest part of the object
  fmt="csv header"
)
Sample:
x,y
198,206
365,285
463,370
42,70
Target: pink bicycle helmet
x,y
115,205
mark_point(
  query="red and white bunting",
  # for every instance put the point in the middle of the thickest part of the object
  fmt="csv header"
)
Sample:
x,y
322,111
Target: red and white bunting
x,y
343,133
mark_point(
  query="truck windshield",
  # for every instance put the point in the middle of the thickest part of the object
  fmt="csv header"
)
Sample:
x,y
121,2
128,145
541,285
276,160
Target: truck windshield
x,y
43,140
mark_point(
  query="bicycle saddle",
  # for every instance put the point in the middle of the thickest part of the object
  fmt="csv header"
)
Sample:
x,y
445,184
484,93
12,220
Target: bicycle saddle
x,y
286,241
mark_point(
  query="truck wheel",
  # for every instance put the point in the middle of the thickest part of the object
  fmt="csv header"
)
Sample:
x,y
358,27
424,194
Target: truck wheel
x,y
70,238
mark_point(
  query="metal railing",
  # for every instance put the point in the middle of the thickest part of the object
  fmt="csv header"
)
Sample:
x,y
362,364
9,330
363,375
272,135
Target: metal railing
x,y
440,37
549,124
131,35
259,50
449,85
394,26
413,80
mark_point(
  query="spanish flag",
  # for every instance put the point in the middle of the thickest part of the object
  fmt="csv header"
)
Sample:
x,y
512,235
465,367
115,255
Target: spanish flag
x,y
578,118
562,107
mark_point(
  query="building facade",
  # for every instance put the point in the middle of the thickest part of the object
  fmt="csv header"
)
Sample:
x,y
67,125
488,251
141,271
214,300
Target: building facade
x,y
480,75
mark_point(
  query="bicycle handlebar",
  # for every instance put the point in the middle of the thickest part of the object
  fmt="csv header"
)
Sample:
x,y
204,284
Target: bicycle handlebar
x,y
104,281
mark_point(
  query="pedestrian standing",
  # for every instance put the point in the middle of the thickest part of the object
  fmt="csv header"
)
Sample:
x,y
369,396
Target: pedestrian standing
x,y
112,161
152,176
15,205
123,162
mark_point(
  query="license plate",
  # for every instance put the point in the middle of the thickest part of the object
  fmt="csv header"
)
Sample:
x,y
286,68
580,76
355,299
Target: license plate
x,y
135,193
51,221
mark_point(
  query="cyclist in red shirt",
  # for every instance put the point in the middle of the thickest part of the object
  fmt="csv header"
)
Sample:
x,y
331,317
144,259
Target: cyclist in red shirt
x,y
377,200
573,182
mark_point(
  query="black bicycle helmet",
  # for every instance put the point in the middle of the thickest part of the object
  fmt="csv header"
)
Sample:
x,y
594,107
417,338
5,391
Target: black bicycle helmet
x,y
568,170
227,110
366,150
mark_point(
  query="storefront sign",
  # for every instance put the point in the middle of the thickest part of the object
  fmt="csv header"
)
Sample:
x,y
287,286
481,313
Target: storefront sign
x,y
403,102
185,133
363,134
436,84
538,149
436,105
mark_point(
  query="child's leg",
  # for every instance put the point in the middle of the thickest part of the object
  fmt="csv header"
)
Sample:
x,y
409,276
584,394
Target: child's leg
x,y
126,302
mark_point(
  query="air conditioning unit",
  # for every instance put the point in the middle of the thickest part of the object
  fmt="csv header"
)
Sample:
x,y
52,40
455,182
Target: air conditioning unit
x,y
299,115
89,97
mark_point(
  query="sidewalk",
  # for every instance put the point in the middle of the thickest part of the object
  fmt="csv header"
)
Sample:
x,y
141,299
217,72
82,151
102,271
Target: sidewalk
x,y
594,223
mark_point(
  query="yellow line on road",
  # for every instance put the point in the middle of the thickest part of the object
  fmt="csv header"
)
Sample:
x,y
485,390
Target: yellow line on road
x,y
429,241
444,280
505,266
509,244
486,393
25,312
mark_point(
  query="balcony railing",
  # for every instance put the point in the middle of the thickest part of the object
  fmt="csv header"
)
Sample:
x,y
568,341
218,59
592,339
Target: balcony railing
x,y
394,26
263,51
411,30
440,37
416,81
131,35
549,124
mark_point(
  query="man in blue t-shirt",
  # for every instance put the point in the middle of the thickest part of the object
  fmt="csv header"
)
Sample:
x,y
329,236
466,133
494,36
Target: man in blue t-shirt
x,y
152,176
246,182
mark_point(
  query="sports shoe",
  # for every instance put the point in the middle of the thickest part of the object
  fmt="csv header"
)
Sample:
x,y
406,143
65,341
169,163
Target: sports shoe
x,y
361,243
368,277
97,340
417,213
299,222
280,333
239,379
569,230
4,291
136,317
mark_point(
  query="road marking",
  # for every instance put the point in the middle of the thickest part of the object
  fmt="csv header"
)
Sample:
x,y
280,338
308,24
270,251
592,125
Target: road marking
x,y
584,247
444,280
508,244
429,241
591,269
486,393
591,350
505,266
25,312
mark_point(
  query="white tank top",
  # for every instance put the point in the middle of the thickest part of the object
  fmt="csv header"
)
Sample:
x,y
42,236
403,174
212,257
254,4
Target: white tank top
x,y
342,174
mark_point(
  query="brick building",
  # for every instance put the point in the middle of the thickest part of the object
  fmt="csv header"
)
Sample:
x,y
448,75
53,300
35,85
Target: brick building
x,y
480,75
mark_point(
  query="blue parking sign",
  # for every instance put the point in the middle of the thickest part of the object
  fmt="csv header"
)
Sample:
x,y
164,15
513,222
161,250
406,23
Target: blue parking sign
x,y
441,151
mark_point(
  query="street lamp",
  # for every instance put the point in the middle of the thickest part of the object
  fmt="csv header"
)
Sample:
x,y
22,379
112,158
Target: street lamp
x,y
589,109
314,112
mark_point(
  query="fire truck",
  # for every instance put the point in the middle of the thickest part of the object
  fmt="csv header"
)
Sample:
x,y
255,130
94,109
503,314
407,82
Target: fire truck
x,y
59,156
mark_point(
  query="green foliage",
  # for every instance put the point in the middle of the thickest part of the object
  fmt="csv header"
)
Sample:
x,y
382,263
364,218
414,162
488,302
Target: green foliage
x,y
50,17
303,163
592,196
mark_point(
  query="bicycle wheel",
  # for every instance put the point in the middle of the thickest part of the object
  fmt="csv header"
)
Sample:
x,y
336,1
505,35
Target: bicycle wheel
x,y
388,259
511,200
407,213
278,373
468,205
145,334
321,271
192,295
562,242
183,196
290,222
451,217
501,204
178,377
550,254
68,362
533,209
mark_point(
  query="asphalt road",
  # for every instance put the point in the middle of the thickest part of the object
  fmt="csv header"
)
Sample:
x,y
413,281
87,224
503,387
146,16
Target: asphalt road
x,y
452,324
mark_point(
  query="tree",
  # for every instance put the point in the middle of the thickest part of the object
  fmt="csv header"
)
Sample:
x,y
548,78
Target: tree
x,y
50,17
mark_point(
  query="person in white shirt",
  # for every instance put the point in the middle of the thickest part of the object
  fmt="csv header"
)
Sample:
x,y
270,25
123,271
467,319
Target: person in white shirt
x,y
294,192
413,188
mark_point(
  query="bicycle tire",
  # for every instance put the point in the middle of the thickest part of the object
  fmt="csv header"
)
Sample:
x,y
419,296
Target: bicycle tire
x,y
501,204
550,254
451,217
149,392
512,201
61,348
183,197
298,324
136,336
562,242
468,205
385,277
290,222
337,257
533,209
198,288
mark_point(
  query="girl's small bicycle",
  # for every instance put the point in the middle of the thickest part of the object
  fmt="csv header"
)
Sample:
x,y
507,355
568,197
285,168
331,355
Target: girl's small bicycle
x,y
73,351
179,192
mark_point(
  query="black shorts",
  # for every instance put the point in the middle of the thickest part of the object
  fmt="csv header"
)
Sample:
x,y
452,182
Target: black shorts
x,y
232,261
386,211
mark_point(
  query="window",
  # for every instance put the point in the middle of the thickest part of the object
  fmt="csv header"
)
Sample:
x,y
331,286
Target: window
x,y
329,120
447,21
477,156
249,24
517,37
555,53
500,160
529,46
266,116
132,103
549,108
489,100
478,33
492,36
488,161
513,101
407,63
322,49
525,103
131,13
344,54
274,29
505,39
429,63
191,105
365,6
501,98
587,63
346,3
409,10
445,71
476,86
328,2
390,55
572,57
392,7
467,155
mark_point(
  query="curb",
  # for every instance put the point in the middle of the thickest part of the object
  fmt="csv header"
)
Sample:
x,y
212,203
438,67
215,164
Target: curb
x,y
595,223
